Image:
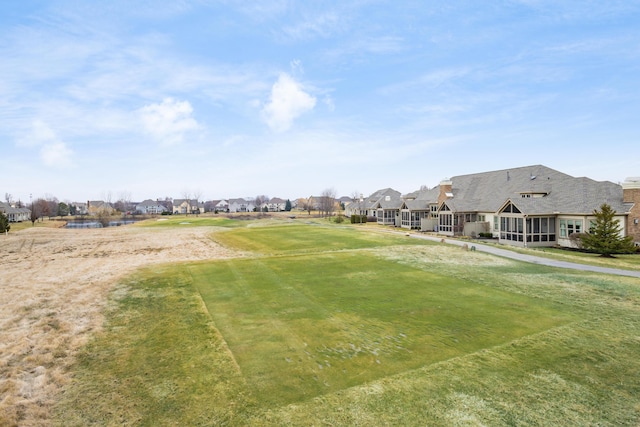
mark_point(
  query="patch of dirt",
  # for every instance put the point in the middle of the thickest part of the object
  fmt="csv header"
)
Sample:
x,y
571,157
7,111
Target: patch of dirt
x,y
54,285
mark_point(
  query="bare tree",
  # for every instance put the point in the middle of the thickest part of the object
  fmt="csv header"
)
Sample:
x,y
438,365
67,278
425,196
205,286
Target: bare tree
x,y
309,204
186,195
104,212
8,198
39,209
259,201
328,201
52,205
123,204
196,197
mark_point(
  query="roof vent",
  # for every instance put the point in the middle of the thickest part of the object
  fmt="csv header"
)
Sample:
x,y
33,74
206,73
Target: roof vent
x,y
532,177
387,198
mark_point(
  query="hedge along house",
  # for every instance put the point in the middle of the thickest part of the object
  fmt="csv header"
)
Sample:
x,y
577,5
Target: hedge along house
x,y
527,206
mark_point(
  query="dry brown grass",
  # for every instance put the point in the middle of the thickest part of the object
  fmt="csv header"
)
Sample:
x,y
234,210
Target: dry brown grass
x,y
53,287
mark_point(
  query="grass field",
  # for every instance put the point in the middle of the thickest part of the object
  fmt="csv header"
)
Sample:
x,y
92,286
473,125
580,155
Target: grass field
x,y
191,221
338,326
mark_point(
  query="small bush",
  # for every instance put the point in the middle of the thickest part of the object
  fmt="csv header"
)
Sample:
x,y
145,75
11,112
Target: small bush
x,y
357,219
339,219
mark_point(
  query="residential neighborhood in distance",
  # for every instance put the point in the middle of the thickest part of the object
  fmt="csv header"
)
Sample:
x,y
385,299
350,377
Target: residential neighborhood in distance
x,y
530,206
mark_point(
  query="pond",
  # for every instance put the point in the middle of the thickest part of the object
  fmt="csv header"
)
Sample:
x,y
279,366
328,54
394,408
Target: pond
x,y
97,224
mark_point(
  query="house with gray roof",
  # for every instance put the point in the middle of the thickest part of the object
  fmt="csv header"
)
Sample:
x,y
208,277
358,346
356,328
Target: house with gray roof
x,y
371,205
388,208
418,207
151,207
528,206
241,205
15,214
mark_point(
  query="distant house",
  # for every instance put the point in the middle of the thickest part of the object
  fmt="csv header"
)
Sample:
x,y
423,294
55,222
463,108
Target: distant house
x,y
97,206
150,207
79,208
15,214
275,204
216,206
373,204
187,206
241,205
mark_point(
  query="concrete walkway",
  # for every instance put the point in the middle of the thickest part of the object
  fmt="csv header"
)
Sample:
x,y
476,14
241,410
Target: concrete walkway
x,y
530,258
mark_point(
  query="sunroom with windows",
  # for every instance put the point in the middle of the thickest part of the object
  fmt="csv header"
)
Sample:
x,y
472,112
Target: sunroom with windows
x,y
519,229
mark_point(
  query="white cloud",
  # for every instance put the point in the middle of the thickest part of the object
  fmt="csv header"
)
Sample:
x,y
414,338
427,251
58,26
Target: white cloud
x,y
40,133
328,101
168,121
56,154
288,101
321,25
53,151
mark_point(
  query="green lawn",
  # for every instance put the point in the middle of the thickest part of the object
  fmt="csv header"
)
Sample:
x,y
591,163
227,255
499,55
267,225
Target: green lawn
x,y
307,238
303,326
343,327
190,221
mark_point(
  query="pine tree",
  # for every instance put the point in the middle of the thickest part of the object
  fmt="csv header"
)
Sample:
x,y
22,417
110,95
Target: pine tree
x,y
604,237
4,223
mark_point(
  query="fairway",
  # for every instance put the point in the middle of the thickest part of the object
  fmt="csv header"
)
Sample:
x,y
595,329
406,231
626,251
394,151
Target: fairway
x,y
307,325
320,324
306,238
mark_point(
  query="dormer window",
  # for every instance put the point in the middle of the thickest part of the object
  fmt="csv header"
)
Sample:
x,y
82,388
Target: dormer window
x,y
530,194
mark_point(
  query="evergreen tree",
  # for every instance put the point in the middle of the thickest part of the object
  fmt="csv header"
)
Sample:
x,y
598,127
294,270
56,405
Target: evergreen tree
x,y
604,237
287,206
4,223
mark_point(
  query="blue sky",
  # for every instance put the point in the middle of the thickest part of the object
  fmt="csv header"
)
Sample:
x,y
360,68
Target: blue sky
x,y
231,98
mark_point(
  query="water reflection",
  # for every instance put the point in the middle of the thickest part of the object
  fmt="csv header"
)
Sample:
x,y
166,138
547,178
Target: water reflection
x,y
97,224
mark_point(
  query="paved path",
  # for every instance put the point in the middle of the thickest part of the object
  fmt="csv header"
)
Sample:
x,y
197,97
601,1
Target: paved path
x,y
530,258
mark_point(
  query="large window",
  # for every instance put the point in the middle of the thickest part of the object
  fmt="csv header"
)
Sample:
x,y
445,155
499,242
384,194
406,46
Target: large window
x,y
511,229
445,220
570,226
541,229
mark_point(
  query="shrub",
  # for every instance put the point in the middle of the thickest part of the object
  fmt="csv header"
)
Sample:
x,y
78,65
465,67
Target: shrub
x,y
357,219
4,223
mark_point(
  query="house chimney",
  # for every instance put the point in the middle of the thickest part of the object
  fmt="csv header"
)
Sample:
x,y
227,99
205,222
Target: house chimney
x,y
631,194
446,187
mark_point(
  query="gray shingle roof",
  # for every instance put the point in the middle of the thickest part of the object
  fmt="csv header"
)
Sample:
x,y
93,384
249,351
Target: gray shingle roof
x,y
487,192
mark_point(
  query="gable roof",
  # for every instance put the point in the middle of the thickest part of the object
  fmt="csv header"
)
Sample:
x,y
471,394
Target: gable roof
x,y
150,202
422,199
